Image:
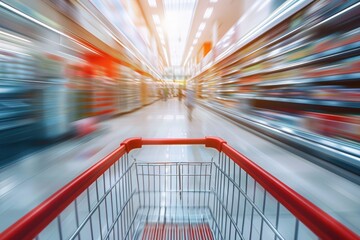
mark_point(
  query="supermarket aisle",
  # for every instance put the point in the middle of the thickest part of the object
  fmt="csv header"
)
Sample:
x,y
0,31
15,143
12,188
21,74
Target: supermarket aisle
x,y
29,181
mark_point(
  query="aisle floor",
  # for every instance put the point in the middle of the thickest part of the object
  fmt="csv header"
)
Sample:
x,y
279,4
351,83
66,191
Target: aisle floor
x,y
27,182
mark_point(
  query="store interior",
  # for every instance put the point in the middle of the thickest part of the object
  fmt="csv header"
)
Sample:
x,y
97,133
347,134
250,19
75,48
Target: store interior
x,y
278,79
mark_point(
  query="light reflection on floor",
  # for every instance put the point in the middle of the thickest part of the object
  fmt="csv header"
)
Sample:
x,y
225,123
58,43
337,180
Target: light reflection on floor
x,y
29,181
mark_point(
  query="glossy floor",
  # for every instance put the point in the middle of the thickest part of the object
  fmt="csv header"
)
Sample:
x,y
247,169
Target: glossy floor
x,y
27,182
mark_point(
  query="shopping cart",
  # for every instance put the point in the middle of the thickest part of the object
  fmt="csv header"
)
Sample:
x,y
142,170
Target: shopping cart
x,y
227,197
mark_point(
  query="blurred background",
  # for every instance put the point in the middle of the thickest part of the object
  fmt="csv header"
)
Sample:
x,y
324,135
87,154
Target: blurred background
x,y
72,71
66,65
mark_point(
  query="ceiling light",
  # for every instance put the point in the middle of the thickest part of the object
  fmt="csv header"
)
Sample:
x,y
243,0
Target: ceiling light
x,y
213,1
159,30
152,3
198,34
232,30
166,57
13,36
14,10
156,19
195,41
208,12
202,26
178,17
262,6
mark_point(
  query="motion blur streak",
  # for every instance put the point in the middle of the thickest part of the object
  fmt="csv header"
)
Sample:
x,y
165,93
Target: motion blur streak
x,y
277,79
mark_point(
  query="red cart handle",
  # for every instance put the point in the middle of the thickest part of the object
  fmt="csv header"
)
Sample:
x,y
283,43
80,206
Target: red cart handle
x,y
319,222
133,143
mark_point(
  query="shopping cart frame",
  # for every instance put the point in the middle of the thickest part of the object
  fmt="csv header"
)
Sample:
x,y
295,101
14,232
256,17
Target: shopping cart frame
x,y
315,219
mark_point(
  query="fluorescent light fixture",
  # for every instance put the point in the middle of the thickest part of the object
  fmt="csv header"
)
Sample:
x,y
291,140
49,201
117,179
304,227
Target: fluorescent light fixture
x,y
208,12
213,1
240,20
156,19
202,26
159,30
14,10
195,41
14,36
167,59
178,17
263,5
226,37
232,30
198,34
152,3
189,54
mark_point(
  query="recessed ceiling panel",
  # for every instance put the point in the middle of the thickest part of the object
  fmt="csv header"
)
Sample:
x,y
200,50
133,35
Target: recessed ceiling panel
x,y
178,19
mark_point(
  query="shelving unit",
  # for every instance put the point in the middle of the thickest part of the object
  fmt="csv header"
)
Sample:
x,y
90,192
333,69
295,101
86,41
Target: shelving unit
x,y
17,116
303,69
52,103
149,91
54,83
129,95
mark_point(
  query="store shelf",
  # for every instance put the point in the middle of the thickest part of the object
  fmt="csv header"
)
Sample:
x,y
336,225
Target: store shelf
x,y
311,60
337,19
328,103
337,152
270,55
226,99
289,9
332,78
302,66
340,18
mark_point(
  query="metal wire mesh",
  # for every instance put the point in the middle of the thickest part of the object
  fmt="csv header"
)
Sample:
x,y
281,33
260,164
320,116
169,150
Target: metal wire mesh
x,y
175,200
242,209
104,211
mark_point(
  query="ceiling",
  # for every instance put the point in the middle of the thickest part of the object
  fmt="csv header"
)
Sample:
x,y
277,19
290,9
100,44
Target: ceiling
x,y
176,24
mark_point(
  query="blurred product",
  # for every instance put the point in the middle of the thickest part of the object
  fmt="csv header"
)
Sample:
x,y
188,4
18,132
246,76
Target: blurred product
x,y
85,126
296,80
347,127
17,109
52,99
